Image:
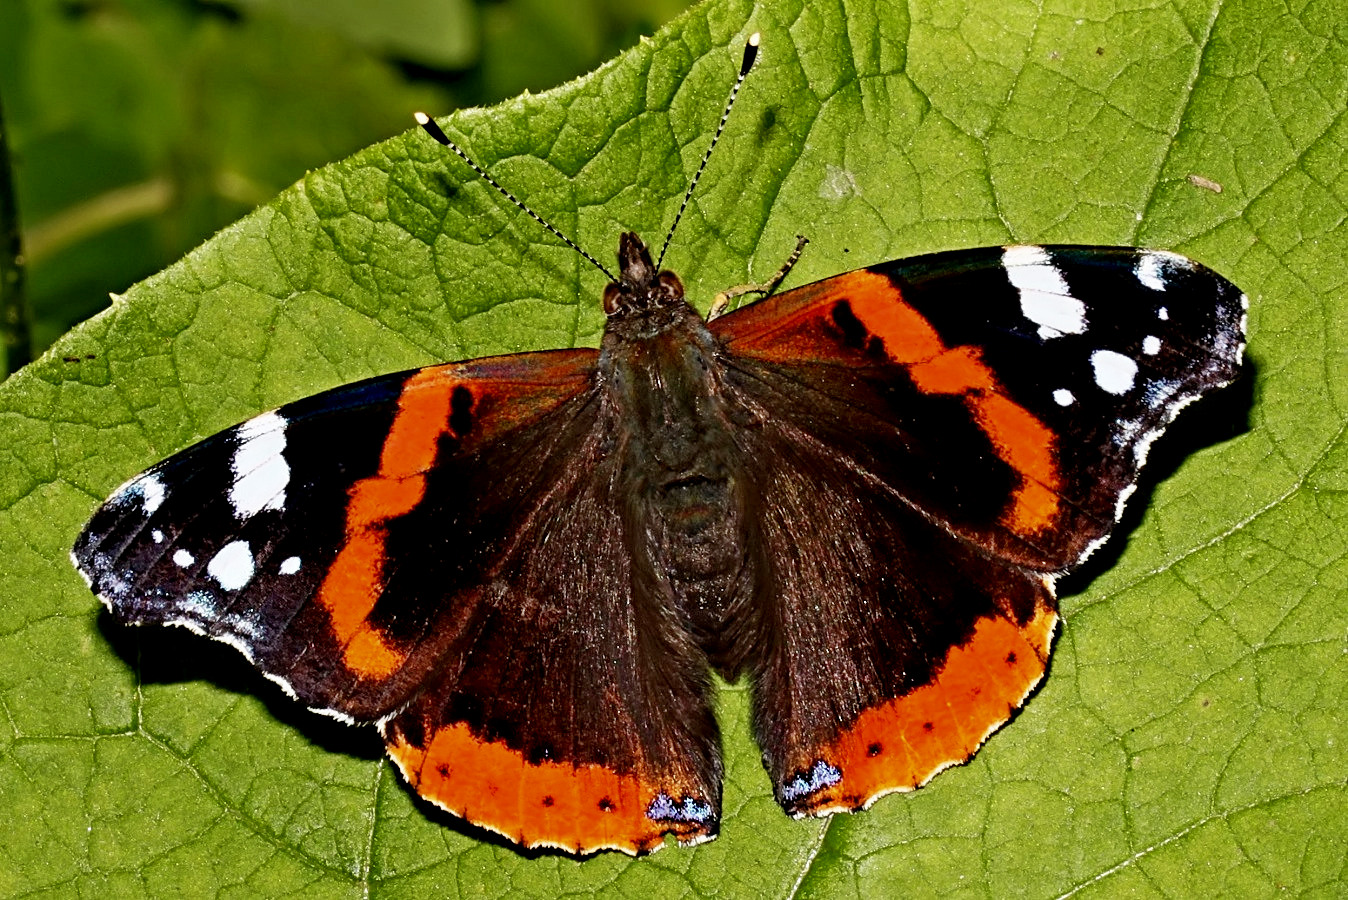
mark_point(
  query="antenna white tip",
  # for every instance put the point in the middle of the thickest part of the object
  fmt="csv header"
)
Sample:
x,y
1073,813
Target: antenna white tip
x,y
421,118
754,39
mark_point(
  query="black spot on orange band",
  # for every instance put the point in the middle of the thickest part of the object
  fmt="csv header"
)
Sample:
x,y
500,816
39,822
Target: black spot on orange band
x,y
939,724
578,808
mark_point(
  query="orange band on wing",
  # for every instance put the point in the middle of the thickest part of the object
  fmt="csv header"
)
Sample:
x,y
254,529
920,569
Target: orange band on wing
x,y
900,745
580,809
1020,439
353,583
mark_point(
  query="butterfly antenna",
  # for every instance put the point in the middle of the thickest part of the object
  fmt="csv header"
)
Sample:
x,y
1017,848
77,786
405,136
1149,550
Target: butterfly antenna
x,y
435,131
750,54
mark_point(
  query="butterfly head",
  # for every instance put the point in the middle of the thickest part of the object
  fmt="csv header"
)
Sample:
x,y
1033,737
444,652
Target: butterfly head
x,y
640,287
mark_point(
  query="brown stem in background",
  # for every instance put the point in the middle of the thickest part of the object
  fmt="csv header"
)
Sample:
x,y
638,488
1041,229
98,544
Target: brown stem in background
x,y
15,327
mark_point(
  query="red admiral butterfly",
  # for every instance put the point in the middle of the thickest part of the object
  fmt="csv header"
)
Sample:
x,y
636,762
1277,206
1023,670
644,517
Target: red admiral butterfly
x,y
857,494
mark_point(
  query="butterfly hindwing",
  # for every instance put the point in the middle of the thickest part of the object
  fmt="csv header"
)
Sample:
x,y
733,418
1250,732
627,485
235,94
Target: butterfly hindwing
x,y
924,645
952,432
570,712
414,549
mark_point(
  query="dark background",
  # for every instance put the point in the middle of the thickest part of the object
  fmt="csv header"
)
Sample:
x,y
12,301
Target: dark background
x,y
138,128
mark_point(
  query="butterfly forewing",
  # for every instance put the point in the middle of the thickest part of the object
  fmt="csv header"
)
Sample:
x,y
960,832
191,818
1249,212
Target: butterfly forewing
x,y
1014,391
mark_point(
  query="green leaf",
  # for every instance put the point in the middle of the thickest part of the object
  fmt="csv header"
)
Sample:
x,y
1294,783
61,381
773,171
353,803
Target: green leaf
x,y
1189,739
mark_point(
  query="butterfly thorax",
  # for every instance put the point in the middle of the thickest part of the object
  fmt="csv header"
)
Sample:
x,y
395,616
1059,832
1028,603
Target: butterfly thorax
x,y
663,377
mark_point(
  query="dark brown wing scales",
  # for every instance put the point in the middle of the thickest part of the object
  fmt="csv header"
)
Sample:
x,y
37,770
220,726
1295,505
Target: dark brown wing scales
x,y
570,713
941,437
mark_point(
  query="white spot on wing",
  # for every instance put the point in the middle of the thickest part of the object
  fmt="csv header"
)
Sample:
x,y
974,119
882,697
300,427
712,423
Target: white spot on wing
x,y
260,469
1045,298
290,565
146,488
232,567
183,558
1163,314
157,536
1154,267
152,493
1114,372
1148,271
1063,397
1151,345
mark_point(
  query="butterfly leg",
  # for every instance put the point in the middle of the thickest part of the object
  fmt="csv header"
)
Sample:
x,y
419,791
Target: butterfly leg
x,y
720,305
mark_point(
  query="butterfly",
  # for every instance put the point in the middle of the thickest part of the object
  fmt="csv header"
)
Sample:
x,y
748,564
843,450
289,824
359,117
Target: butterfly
x,y
857,495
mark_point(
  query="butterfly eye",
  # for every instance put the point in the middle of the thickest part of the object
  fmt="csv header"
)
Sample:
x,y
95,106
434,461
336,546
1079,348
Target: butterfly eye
x,y
673,287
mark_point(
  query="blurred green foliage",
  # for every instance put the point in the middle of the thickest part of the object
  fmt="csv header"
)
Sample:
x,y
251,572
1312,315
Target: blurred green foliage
x,y
140,127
